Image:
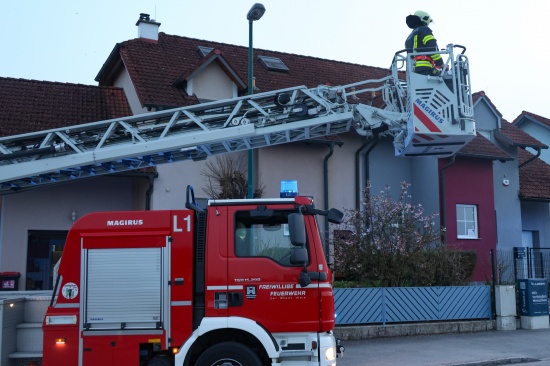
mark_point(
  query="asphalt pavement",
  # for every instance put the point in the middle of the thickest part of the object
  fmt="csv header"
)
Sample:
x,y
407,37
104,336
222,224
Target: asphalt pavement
x,y
519,347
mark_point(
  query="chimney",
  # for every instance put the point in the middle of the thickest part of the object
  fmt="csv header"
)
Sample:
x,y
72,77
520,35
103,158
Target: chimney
x,y
147,28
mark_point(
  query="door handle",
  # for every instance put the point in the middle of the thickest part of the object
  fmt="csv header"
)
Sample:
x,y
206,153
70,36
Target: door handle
x,y
235,299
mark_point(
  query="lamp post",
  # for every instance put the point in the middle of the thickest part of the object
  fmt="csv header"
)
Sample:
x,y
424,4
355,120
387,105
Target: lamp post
x,y
255,13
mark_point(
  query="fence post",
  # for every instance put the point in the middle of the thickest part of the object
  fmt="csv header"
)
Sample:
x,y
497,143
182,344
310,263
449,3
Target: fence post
x,y
383,306
494,282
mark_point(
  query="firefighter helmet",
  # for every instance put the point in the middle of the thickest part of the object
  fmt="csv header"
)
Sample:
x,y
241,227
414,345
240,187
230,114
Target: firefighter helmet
x,y
424,17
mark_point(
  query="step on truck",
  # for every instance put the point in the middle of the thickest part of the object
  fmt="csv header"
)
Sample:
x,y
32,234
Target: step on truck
x,y
243,282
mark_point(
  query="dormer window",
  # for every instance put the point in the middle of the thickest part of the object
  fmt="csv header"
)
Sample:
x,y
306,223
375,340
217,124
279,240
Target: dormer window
x,y
273,64
203,50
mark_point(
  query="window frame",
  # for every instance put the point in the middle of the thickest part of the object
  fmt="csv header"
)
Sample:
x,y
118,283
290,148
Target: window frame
x,y
464,221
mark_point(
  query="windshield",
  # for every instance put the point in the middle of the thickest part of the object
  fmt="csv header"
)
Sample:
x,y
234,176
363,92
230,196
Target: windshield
x,y
263,236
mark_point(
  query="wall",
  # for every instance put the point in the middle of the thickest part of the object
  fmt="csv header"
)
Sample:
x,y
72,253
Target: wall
x,y
425,190
50,208
470,181
535,217
123,81
507,206
173,179
304,162
486,118
10,317
213,75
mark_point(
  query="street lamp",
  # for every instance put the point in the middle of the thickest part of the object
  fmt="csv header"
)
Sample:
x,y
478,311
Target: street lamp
x,y
255,13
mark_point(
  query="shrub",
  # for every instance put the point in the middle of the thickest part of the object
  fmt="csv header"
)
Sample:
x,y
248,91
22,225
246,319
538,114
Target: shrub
x,y
392,243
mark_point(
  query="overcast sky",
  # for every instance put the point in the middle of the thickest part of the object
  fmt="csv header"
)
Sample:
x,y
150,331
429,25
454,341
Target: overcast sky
x,y
507,40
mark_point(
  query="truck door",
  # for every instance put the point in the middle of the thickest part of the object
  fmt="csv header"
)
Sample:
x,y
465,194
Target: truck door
x,y
262,283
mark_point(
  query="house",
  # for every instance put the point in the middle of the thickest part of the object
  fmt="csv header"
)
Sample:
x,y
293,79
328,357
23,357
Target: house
x,y
535,186
157,71
538,126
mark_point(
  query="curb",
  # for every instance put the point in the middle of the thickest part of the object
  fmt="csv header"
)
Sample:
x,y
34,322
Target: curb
x,y
351,333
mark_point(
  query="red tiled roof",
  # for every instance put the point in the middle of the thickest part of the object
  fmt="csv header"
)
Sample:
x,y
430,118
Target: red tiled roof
x,y
155,66
533,178
510,134
32,105
482,148
534,116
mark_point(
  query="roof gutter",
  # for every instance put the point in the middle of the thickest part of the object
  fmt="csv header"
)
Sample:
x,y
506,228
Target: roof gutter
x,y
325,187
358,169
539,151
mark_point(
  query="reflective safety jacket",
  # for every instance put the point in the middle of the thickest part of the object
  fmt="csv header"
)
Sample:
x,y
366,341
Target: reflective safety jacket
x,y
422,39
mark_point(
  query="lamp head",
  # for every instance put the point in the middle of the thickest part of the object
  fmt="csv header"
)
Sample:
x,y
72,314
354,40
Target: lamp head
x,y
256,12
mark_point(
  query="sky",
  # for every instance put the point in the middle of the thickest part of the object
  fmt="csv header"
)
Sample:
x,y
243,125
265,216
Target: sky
x,y
506,40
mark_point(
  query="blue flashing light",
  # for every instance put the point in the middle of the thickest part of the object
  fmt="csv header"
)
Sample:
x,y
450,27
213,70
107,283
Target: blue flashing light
x,y
289,188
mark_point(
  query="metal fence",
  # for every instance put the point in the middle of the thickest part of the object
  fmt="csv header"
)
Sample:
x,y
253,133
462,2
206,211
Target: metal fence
x,y
520,263
411,304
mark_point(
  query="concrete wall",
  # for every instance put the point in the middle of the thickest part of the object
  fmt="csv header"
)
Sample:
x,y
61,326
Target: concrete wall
x,y
50,208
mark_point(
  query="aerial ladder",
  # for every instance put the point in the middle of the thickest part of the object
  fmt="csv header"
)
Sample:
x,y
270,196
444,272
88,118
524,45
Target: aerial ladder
x,y
423,115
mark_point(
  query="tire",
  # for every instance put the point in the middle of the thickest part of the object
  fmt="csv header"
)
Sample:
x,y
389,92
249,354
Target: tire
x,y
229,354
160,361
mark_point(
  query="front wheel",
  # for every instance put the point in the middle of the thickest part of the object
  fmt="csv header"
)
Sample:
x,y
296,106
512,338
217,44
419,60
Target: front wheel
x,y
228,354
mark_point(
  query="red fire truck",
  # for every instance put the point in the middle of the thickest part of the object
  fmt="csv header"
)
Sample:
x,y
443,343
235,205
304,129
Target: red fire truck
x,y
244,282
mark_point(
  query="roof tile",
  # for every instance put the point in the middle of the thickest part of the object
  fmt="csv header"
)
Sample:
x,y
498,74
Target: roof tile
x,y
482,148
536,117
533,178
32,105
519,137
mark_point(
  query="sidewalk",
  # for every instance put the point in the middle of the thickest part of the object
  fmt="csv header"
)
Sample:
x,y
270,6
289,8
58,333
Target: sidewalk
x,y
493,347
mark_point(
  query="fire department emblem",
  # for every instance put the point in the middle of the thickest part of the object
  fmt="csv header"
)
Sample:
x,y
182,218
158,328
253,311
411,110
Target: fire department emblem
x,y
69,290
251,292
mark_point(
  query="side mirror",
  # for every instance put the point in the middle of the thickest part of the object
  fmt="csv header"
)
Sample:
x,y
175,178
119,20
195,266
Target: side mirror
x,y
304,279
297,229
335,216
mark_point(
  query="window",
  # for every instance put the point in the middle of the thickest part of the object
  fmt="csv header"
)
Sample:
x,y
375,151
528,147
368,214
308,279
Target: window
x,y
203,50
273,64
44,248
263,236
466,222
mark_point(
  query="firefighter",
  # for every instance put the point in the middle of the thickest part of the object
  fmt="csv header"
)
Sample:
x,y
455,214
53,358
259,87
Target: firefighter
x,y
422,39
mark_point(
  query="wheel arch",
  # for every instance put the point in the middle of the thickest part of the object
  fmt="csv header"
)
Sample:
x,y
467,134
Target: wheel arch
x,y
215,330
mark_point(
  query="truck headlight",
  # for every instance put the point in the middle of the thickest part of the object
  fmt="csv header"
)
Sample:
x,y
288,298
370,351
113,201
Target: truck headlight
x,y
330,353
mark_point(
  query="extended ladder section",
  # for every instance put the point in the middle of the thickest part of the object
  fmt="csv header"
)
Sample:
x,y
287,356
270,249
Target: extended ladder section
x,y
413,108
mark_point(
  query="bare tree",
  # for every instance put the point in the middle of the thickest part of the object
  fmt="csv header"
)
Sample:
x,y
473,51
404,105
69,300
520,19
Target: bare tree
x,y
226,177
